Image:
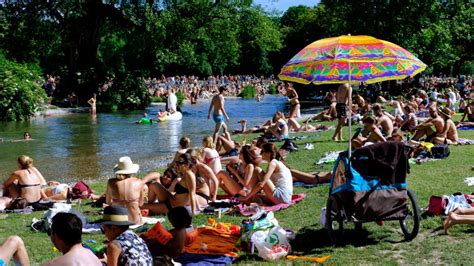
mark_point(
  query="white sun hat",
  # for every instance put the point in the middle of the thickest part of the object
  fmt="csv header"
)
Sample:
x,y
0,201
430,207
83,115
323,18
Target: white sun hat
x,y
126,166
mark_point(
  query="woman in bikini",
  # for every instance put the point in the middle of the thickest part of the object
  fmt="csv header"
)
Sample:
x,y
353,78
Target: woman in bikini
x,y
239,178
202,170
280,129
25,182
178,187
126,190
294,102
276,182
210,156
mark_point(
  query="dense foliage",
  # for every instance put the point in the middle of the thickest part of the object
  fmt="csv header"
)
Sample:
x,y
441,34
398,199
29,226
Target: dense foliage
x,y
20,94
89,42
248,92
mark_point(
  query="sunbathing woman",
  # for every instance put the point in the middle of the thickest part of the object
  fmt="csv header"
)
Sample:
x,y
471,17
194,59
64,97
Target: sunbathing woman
x,y
55,191
178,188
458,216
210,156
202,170
240,179
25,182
231,148
126,190
280,129
276,182
293,125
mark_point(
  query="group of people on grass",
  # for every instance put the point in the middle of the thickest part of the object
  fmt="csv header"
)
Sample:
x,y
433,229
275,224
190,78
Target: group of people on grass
x,y
194,176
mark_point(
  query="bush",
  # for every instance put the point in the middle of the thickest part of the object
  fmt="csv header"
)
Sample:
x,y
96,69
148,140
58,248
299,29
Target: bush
x,y
248,92
127,93
21,96
180,95
272,89
156,99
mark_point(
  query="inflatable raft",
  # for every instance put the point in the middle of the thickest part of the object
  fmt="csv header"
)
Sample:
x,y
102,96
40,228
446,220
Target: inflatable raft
x,y
170,117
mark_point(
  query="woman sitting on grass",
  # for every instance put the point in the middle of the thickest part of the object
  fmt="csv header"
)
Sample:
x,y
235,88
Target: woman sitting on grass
x,y
178,187
126,190
204,171
276,182
370,134
239,179
25,182
210,156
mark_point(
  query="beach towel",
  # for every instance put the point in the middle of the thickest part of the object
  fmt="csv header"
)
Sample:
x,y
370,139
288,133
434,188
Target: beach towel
x,y
189,259
463,141
469,181
303,184
246,210
329,157
212,241
465,128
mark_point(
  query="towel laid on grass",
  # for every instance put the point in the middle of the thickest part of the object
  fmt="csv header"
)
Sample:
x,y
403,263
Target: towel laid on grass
x,y
189,259
462,141
465,128
246,210
303,184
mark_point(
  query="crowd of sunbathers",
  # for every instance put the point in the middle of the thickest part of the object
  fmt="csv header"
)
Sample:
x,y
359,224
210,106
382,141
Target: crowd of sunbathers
x,y
194,176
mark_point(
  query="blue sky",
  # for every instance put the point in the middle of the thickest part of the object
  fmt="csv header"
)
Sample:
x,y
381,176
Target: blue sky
x,y
283,5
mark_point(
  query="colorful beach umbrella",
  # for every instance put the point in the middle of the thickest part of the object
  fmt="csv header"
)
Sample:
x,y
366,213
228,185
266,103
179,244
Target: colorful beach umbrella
x,y
350,59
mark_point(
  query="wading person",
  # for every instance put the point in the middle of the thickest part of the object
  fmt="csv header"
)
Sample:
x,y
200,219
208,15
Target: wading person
x,y
219,115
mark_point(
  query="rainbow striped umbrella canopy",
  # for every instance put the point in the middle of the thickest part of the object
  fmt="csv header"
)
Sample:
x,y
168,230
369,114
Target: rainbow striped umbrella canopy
x,y
350,59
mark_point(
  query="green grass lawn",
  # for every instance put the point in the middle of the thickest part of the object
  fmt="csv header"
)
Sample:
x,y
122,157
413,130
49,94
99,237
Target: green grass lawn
x,y
374,245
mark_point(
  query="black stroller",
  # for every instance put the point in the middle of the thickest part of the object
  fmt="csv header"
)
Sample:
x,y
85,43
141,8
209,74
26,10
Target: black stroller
x,y
372,187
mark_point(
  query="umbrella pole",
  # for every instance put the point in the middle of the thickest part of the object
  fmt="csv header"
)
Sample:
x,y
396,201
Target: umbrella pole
x,y
350,111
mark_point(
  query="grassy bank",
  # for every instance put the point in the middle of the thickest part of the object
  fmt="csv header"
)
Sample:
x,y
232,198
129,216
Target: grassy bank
x,y
374,245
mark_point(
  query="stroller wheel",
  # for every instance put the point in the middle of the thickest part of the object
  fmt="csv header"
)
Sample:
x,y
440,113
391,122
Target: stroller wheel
x,y
411,223
334,220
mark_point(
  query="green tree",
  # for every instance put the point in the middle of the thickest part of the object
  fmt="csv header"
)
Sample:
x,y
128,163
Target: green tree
x,y
21,96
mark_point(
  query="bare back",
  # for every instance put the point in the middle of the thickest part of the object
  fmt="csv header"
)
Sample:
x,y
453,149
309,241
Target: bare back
x,y
127,193
29,182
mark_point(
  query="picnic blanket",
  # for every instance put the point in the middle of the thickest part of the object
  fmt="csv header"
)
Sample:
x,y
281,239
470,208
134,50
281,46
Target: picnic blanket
x,y
189,259
465,128
246,210
329,157
463,141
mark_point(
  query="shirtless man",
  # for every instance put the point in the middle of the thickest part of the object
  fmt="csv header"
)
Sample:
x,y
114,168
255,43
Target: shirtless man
x,y
66,232
383,120
342,101
370,133
424,129
219,114
126,190
450,133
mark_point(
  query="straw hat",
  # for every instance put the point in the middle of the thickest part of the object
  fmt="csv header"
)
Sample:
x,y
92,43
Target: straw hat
x,y
115,215
126,166
443,110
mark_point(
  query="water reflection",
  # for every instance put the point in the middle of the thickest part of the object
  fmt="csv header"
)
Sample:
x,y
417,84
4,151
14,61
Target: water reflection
x,y
81,146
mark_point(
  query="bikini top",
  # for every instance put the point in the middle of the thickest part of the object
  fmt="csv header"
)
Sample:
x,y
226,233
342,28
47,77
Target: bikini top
x,y
27,185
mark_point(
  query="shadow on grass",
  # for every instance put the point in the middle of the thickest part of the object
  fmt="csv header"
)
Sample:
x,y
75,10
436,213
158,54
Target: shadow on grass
x,y
313,239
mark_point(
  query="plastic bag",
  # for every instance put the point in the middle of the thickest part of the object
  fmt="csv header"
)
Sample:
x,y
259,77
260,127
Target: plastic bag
x,y
272,244
322,217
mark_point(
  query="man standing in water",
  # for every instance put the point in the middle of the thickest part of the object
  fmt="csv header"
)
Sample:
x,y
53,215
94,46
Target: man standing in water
x,y
92,102
172,101
342,101
219,114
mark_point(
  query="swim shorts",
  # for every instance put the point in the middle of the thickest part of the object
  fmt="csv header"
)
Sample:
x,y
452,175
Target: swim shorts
x,y
218,118
233,152
341,110
281,195
285,136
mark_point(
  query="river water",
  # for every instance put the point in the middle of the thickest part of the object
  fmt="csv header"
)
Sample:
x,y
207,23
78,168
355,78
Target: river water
x,y
77,146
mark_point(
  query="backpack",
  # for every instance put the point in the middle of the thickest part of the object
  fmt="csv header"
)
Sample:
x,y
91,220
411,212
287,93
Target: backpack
x,y
440,151
81,190
437,205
